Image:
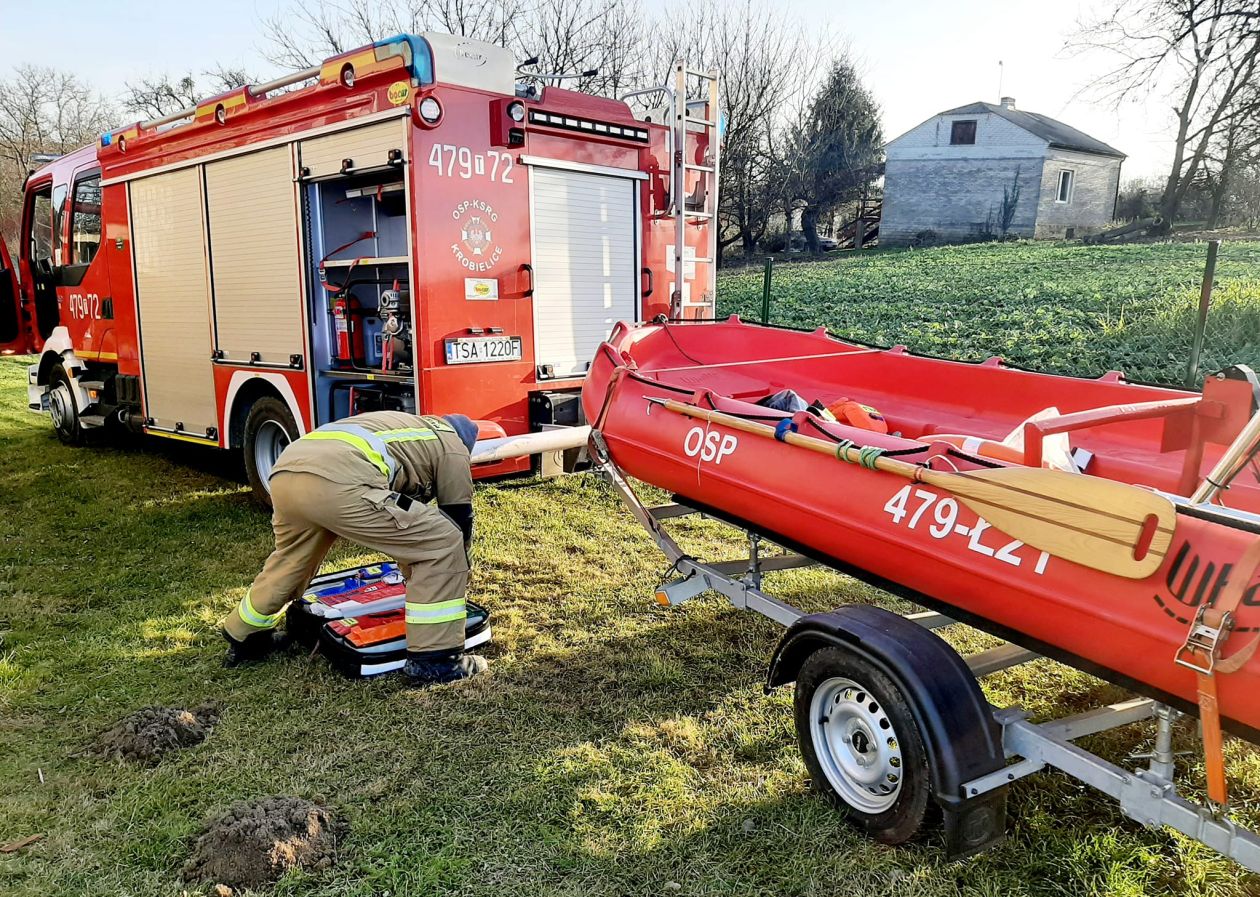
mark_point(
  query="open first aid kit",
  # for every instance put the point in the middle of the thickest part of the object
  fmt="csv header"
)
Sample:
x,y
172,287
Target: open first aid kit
x,y
356,618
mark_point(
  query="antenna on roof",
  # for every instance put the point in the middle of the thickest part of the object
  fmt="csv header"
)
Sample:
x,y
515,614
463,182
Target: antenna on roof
x,y
1000,72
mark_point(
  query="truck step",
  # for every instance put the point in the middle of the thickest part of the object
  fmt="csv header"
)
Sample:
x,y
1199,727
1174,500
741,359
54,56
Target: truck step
x,y
92,420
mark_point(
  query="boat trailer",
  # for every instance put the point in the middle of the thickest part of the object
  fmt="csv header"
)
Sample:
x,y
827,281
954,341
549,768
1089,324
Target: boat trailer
x,y
864,776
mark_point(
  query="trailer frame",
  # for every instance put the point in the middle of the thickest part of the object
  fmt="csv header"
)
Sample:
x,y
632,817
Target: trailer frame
x,y
1146,794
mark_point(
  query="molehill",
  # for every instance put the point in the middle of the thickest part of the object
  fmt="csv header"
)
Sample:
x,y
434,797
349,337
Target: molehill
x,y
255,842
151,732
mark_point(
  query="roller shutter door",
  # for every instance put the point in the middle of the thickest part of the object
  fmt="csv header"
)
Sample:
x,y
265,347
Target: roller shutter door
x,y
367,147
173,300
253,215
585,260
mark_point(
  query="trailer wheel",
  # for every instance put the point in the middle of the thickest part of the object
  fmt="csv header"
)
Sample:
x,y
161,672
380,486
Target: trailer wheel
x,y
62,409
269,427
861,745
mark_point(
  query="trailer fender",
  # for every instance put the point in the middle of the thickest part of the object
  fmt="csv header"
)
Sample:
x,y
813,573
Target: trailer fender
x,y
963,740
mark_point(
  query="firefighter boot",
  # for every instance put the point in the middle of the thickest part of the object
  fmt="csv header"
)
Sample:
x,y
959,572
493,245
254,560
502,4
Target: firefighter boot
x,y
254,647
425,670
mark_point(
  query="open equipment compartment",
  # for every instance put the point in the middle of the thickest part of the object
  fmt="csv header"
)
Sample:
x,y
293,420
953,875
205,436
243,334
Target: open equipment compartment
x,y
360,274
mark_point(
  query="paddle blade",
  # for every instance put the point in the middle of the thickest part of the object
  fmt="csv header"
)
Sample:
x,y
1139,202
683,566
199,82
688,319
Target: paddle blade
x,y
1113,527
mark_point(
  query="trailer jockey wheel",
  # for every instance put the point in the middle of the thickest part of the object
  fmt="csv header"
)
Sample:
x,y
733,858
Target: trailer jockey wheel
x,y
269,427
861,745
62,409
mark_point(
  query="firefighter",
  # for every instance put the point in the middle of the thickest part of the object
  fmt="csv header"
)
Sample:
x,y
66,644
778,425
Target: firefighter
x,y
369,478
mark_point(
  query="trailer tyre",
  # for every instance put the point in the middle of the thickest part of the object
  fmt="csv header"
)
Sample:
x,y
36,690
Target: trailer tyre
x,y
62,409
269,427
861,745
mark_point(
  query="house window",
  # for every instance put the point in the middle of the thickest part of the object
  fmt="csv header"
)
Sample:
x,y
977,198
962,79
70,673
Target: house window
x,y
962,133
1065,186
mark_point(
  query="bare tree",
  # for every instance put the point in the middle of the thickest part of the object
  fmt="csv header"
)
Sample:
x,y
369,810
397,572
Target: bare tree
x,y
1203,53
160,95
758,50
604,42
1234,148
302,34
566,36
42,110
488,20
1246,194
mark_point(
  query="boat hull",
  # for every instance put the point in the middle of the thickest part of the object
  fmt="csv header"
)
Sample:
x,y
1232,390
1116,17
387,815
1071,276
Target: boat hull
x,y
920,540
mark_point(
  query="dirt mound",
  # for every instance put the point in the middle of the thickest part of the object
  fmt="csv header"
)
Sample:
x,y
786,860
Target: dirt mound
x,y
151,732
255,842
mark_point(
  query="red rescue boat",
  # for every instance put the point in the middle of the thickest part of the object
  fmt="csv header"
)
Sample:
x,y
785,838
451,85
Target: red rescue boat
x,y
676,405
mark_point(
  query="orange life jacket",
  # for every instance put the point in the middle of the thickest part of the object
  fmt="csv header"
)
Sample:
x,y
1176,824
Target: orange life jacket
x,y
855,414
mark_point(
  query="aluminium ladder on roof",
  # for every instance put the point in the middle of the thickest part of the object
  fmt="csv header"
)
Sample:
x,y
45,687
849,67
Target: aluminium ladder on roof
x,y
705,128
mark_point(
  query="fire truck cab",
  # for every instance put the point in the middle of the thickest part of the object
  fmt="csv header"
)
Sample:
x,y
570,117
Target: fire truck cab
x,y
404,226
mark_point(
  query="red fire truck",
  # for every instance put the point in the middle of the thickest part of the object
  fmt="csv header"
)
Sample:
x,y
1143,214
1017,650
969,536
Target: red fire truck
x,y
404,226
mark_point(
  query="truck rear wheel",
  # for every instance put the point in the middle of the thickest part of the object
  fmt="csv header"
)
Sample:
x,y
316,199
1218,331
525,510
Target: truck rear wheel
x,y
269,427
62,408
860,743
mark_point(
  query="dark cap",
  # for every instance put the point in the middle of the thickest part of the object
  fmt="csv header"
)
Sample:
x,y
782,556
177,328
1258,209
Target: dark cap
x,y
466,429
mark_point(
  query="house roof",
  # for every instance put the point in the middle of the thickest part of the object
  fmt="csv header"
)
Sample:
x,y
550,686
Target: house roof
x,y
1055,132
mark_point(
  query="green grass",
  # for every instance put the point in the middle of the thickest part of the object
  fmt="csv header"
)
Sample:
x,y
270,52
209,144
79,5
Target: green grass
x,y
1059,307
614,748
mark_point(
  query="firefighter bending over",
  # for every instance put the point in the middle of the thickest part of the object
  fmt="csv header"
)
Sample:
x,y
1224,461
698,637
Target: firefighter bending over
x,y
368,479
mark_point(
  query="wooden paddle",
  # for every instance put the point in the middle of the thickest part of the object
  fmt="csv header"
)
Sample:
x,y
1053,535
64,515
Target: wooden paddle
x,y
1109,526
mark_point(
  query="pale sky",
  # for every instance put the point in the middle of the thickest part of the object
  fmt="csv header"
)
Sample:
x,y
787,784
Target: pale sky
x,y
920,57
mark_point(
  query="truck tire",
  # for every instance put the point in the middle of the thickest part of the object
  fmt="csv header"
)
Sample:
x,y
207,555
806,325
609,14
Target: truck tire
x,y
269,427
62,408
861,745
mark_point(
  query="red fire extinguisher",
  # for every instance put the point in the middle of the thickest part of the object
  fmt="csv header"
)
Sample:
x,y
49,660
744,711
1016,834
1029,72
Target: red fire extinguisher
x,y
349,335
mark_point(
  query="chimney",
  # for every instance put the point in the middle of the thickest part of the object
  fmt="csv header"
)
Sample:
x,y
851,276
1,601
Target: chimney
x,y
1008,103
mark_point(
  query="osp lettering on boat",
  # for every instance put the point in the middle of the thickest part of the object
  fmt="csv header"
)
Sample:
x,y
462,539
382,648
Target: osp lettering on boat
x,y
709,446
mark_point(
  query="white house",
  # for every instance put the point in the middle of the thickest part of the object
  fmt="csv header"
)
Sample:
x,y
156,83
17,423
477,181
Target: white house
x,y
956,173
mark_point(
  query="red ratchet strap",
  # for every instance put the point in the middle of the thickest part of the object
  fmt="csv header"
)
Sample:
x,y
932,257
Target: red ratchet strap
x,y
1202,653
323,276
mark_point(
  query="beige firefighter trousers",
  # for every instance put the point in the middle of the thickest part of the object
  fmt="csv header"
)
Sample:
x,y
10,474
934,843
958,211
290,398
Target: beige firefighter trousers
x,y
310,512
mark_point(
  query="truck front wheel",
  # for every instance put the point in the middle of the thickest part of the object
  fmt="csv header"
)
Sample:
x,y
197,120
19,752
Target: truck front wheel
x,y
62,408
269,427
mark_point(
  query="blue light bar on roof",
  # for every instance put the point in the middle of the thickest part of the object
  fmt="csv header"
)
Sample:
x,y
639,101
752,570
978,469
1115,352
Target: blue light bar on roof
x,y
414,51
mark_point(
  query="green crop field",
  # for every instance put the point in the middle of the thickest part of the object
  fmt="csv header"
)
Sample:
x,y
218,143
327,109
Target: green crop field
x,y
1059,307
615,747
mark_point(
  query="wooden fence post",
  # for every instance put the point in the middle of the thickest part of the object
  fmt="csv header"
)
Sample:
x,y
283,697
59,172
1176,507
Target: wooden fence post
x,y
765,290
1205,302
